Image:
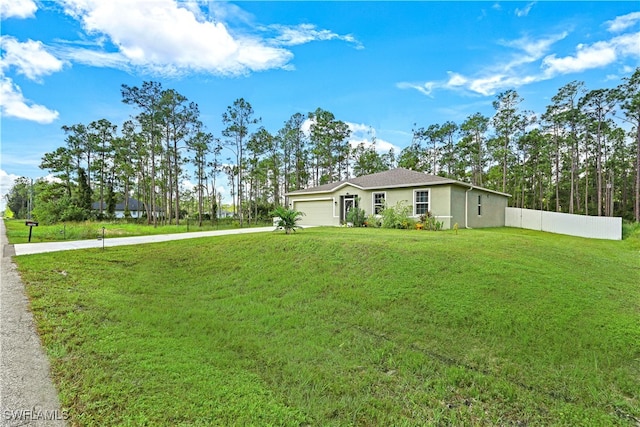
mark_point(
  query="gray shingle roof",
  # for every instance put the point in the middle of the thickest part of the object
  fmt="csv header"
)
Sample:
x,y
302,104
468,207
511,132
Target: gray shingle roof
x,y
133,205
399,177
394,178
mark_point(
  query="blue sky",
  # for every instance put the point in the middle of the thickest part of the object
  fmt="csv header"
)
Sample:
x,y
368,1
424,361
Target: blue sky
x,y
379,66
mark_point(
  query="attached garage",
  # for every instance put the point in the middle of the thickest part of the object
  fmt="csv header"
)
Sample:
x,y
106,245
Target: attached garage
x,y
318,211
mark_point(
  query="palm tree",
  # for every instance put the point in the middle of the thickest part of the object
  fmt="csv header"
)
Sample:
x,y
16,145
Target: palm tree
x,y
287,218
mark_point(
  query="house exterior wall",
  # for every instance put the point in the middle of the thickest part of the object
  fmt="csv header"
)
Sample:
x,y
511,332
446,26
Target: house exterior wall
x,y
457,206
492,208
441,205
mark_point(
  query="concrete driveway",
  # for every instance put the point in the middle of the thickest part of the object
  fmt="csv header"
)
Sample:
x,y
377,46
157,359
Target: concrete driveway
x,y
36,248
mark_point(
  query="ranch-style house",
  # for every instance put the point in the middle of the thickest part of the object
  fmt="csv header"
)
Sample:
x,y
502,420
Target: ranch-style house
x,y
448,200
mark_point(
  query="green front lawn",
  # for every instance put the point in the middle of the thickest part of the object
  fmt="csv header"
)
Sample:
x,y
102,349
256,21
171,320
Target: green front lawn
x,y
336,326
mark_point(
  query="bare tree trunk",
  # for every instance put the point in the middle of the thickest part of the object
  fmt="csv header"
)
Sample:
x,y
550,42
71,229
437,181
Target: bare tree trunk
x,y
637,203
152,191
586,181
168,182
573,168
557,172
599,166
177,180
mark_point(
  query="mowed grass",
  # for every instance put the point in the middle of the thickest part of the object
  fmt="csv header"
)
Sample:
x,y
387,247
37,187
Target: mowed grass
x,y
335,327
18,232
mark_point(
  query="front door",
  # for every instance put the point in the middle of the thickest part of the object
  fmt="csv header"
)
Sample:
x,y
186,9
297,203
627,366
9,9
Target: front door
x,y
348,203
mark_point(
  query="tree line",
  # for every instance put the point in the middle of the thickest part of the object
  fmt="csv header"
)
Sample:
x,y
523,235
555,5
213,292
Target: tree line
x,y
581,155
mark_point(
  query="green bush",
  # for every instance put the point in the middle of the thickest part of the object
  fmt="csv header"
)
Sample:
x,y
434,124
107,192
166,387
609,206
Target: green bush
x,y
357,217
398,216
430,223
630,229
374,221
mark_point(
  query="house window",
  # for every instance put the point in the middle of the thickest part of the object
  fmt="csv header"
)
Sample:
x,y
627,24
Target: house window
x,y
378,202
479,205
421,204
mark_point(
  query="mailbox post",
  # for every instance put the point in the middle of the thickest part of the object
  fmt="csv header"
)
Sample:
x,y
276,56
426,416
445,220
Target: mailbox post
x,y
31,224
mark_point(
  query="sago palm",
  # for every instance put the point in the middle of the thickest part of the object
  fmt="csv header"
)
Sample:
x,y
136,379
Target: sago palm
x,y
288,218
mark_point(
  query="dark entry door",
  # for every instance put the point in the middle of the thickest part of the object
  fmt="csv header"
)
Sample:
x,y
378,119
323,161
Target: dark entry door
x,y
348,203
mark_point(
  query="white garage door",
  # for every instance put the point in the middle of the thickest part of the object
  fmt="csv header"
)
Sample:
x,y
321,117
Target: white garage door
x,y
316,212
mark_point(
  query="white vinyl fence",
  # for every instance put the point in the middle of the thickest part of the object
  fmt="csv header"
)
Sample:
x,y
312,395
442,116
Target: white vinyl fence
x,y
595,227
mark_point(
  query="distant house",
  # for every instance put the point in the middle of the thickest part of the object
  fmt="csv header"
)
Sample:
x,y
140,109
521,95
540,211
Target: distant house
x,y
450,201
135,208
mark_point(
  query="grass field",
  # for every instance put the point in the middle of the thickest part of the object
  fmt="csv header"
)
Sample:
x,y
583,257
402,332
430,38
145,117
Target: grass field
x,y
18,232
345,327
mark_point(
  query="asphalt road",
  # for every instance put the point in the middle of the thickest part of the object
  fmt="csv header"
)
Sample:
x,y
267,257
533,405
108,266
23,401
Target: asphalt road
x,y
27,394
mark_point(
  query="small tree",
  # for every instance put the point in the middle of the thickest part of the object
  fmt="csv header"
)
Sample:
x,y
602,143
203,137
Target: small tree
x,y
7,213
288,218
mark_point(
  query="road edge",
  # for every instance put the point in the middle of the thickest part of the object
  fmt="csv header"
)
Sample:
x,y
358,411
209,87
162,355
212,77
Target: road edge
x,y
27,394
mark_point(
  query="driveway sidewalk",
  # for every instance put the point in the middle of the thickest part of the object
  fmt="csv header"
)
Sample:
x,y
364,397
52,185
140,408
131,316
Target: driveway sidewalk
x,y
36,248
27,394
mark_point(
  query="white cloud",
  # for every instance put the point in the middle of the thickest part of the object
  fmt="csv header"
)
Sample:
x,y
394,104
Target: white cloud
x,y
305,127
518,70
360,133
14,104
169,37
6,182
492,84
93,57
623,22
161,37
424,88
32,60
17,9
29,58
360,128
524,11
22,159
229,12
597,55
491,79
365,134
305,33
187,185
532,49
456,80
50,178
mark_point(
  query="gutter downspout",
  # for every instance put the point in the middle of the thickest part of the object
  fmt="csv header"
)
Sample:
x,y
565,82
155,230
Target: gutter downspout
x,y
466,208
